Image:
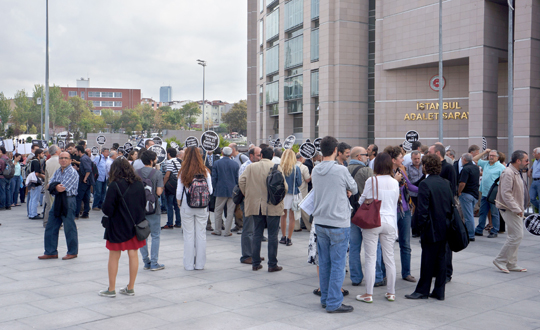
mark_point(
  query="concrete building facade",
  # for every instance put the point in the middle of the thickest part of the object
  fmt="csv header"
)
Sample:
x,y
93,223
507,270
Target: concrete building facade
x,y
377,71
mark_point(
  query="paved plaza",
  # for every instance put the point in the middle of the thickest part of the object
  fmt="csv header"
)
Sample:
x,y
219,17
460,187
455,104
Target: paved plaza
x,y
57,294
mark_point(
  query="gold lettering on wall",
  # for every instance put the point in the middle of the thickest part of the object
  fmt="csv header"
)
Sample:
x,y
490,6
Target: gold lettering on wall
x,y
449,115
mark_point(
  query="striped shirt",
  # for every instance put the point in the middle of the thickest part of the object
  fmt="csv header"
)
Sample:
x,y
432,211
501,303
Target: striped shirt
x,y
170,166
69,178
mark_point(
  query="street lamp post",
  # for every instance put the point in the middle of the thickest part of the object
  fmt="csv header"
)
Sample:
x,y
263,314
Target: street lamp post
x,y
441,84
510,77
46,74
203,64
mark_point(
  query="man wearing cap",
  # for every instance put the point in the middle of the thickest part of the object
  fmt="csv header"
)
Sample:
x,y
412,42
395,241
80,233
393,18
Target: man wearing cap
x,y
224,178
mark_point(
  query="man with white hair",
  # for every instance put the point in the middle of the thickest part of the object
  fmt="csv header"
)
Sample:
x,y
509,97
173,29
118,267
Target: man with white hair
x,y
224,178
51,166
534,173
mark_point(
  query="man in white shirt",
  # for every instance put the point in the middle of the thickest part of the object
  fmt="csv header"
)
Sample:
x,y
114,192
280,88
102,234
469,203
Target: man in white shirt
x,y
277,156
416,145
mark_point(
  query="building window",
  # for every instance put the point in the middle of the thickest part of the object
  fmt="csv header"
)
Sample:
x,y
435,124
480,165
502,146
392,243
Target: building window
x,y
317,119
293,88
294,106
314,45
272,25
72,93
118,94
314,9
97,112
261,92
96,103
118,104
270,3
314,83
261,65
371,73
107,103
82,95
298,125
261,6
261,32
272,92
276,126
107,94
294,14
94,94
272,60
273,109
294,52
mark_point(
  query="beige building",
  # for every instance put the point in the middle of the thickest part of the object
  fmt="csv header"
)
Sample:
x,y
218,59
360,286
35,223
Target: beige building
x,y
371,68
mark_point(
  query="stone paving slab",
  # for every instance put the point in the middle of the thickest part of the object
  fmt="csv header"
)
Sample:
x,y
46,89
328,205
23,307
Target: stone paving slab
x,y
57,294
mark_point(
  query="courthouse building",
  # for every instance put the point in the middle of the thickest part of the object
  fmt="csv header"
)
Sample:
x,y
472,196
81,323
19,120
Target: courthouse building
x,y
366,71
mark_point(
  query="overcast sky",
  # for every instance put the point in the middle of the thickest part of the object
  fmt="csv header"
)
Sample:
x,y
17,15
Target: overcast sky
x,y
127,44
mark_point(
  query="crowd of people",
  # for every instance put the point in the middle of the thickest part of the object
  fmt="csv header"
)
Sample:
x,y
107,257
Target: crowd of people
x,y
417,192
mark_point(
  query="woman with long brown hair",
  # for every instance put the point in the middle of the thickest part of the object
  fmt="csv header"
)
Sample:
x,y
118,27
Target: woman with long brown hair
x,y
124,186
193,219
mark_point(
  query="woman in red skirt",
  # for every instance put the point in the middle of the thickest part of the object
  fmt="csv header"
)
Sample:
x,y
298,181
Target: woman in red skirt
x,y
124,205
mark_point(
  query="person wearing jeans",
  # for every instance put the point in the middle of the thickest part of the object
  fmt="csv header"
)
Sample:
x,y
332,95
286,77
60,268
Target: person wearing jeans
x,y
404,237
34,188
100,188
5,194
355,265
534,173
469,185
467,205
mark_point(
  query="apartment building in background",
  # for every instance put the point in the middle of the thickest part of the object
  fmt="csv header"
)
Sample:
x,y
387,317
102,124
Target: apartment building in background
x,y
165,94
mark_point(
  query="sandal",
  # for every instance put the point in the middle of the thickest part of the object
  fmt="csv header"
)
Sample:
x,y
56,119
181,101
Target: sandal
x,y
390,297
368,299
317,292
344,292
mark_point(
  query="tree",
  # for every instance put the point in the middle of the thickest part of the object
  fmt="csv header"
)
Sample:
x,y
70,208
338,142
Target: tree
x,y
10,132
189,111
22,109
23,128
33,129
111,119
236,118
5,110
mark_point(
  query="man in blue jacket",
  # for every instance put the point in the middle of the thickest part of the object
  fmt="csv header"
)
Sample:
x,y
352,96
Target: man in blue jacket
x,y
224,178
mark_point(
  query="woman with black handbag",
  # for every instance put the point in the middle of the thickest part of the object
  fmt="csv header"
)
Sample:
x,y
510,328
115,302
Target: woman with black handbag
x,y
120,222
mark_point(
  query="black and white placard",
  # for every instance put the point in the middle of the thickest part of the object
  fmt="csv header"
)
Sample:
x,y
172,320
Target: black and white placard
x,y
308,141
160,152
38,143
128,146
307,150
412,136
484,143
61,144
140,144
101,139
278,144
317,143
289,142
407,146
95,151
157,140
209,141
191,142
532,224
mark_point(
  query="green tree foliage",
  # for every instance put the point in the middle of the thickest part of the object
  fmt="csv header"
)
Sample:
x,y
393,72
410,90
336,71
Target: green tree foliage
x,y
174,139
112,119
5,110
10,132
33,129
190,112
23,106
236,118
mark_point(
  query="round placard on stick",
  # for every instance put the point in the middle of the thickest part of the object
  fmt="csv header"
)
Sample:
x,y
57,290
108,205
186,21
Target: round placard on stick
x,y
140,144
61,144
191,142
160,152
101,139
95,151
307,150
407,146
128,146
209,141
175,145
532,224
157,140
412,136
277,143
317,143
289,142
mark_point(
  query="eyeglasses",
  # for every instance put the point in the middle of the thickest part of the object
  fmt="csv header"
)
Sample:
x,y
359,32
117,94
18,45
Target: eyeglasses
x,y
363,154
64,158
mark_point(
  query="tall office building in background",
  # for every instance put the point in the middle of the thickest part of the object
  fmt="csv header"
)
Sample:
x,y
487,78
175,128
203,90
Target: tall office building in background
x,y
366,71
165,94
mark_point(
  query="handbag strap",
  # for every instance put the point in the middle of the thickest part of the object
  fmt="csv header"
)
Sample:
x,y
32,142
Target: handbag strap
x,y
294,182
124,201
377,183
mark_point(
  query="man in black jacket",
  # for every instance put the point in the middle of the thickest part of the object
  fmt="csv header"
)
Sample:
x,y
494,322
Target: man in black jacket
x,y
434,208
469,185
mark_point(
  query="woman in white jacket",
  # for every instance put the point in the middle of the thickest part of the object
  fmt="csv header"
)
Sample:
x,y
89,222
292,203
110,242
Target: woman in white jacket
x,y
385,188
193,219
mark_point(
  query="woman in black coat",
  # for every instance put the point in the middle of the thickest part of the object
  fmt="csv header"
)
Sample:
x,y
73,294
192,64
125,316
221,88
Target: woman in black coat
x,y
434,210
124,185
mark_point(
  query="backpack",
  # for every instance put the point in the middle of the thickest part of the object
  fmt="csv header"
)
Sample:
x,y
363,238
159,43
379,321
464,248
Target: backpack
x,y
151,198
492,194
9,170
198,194
172,183
354,199
275,183
95,170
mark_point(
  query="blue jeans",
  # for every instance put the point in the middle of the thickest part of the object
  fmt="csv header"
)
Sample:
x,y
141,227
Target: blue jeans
x,y
380,268
100,189
467,205
83,195
332,246
4,192
404,233
485,206
534,193
172,209
33,201
15,184
155,230
163,202
70,229
355,265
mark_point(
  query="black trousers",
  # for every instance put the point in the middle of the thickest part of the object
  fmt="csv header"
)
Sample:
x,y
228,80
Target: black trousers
x,y
433,264
449,267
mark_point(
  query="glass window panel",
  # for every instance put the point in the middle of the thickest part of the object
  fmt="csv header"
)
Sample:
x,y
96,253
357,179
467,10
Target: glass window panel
x,y
96,103
315,83
261,32
117,104
272,25
294,106
274,109
294,87
314,9
94,94
298,124
315,45
82,95
272,92
72,93
294,52
294,13
118,94
272,60
261,5
261,65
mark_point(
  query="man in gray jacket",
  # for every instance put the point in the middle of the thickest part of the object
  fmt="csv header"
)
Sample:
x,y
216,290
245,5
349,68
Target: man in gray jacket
x,y
332,185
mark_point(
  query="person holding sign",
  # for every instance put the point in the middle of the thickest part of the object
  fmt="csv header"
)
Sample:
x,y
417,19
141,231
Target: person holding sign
x,y
193,219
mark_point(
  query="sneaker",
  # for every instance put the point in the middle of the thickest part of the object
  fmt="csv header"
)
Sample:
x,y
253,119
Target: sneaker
x,y
107,293
492,235
147,266
158,267
178,226
167,227
283,240
127,292
289,242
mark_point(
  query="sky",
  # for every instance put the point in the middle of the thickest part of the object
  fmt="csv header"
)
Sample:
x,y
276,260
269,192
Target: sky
x,y
127,44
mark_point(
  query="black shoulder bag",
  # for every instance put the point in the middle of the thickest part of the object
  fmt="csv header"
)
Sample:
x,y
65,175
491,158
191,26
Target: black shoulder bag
x,y
142,230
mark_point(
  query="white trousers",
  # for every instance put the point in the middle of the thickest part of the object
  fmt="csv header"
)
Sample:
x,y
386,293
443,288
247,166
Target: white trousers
x,y
387,235
194,227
